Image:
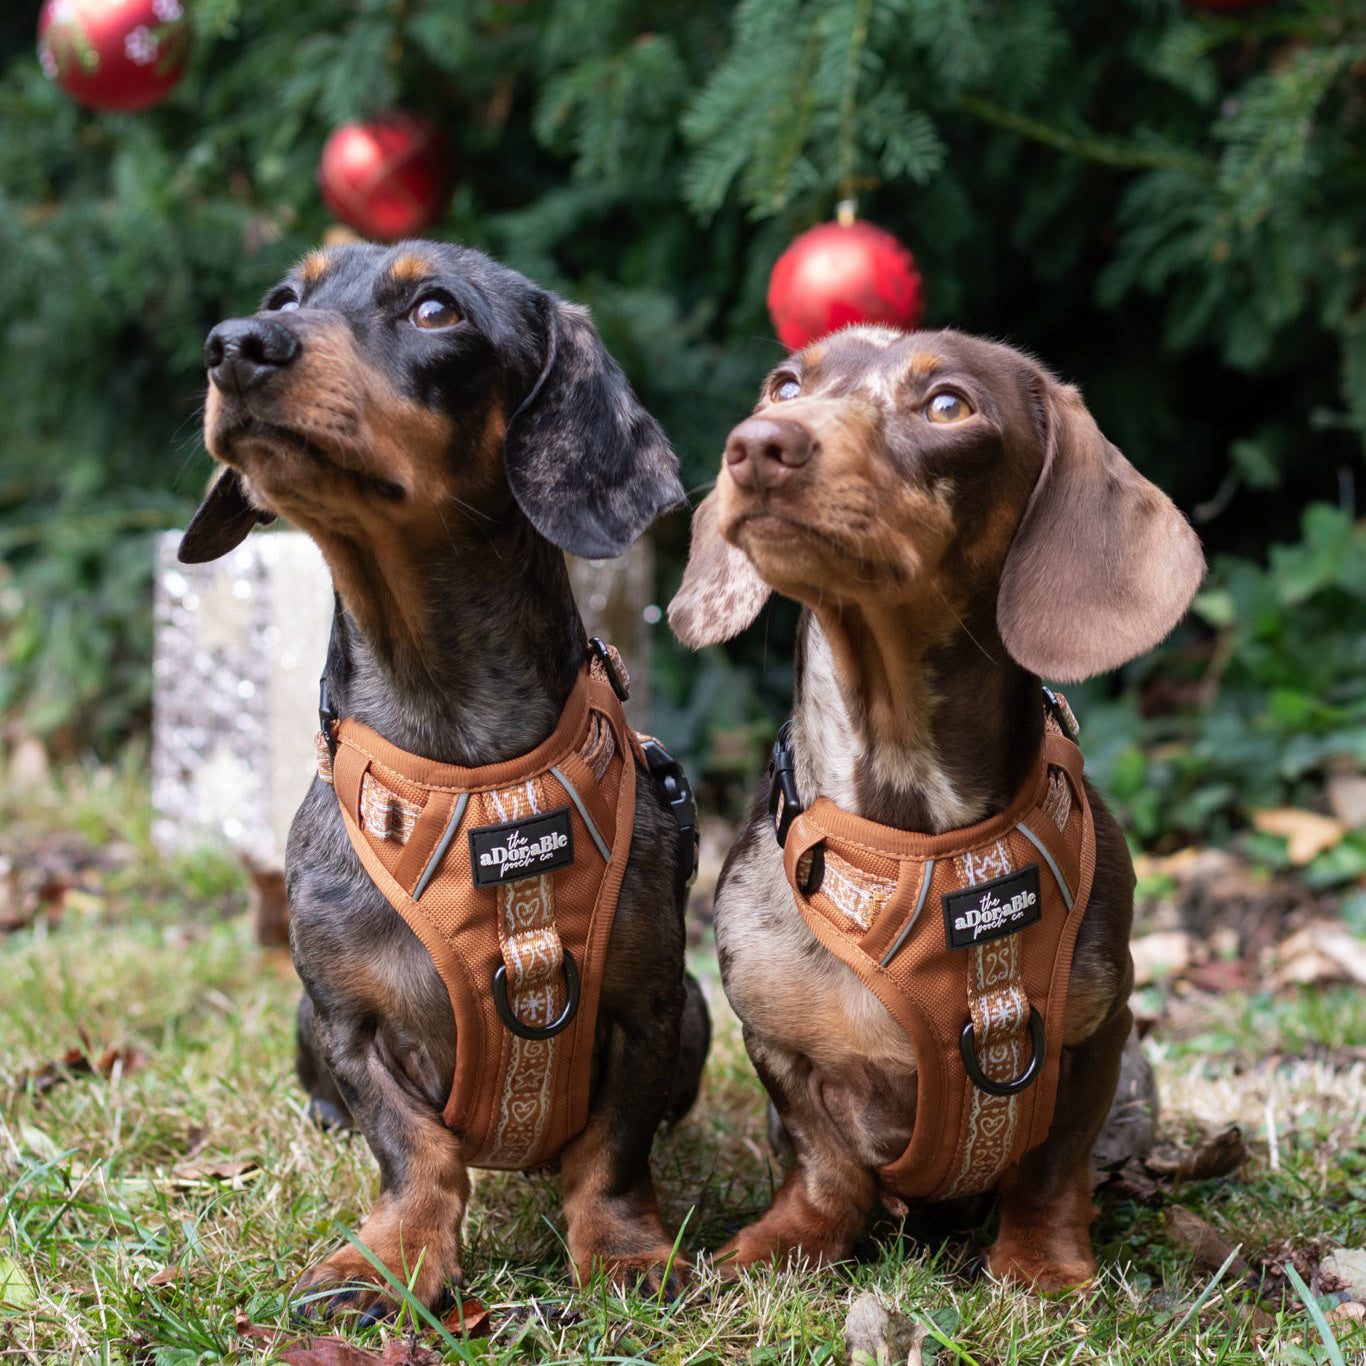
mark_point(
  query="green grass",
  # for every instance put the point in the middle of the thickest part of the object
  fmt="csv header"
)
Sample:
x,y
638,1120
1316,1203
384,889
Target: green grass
x,y
157,957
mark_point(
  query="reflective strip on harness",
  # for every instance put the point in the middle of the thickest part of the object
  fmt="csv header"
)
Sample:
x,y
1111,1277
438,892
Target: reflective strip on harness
x,y
507,870
973,927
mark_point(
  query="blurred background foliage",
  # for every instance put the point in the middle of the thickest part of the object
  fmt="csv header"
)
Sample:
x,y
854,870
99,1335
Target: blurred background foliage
x,y
1166,203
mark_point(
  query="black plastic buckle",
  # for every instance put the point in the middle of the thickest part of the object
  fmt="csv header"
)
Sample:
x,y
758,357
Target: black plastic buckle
x,y
673,782
526,1031
326,716
967,1046
784,806
598,648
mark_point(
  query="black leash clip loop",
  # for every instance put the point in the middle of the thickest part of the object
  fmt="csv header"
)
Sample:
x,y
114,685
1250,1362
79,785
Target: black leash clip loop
x,y
597,647
526,1031
1061,713
784,805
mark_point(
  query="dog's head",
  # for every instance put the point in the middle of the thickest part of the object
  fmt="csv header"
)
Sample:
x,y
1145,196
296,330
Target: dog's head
x,y
934,473
397,392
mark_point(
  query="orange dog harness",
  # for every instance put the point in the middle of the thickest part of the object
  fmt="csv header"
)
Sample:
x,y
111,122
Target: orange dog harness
x,y
509,875
966,938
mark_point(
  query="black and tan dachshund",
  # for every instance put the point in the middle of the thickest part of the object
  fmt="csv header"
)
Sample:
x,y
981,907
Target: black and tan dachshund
x,y
444,430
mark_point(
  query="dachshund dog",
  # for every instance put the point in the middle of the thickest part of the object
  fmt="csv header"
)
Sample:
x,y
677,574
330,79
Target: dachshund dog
x,y
956,527
444,430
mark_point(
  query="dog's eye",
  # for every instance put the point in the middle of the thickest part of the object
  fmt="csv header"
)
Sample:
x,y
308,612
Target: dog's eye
x,y
948,407
433,313
284,301
784,388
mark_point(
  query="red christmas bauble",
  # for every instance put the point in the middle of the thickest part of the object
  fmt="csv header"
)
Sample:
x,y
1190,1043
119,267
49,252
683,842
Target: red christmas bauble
x,y
388,177
114,54
835,275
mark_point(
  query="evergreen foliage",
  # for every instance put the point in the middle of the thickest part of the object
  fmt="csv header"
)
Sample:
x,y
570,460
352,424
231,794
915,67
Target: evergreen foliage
x,y
1167,204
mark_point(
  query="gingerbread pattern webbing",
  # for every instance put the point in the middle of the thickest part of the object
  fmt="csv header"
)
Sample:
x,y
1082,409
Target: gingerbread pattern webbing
x,y
534,958
1000,1021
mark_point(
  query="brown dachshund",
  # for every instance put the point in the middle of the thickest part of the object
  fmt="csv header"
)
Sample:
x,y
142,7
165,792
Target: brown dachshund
x,y
444,430
956,527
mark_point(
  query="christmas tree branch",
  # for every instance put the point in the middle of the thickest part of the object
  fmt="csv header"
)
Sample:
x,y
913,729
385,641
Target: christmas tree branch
x,y
1089,147
858,40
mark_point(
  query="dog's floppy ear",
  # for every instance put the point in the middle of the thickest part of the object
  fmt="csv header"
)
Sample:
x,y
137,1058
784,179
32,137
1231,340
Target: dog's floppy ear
x,y
222,521
721,592
589,467
1102,564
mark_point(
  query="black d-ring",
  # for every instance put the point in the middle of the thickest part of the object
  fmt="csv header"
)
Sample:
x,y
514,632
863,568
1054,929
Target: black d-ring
x,y
967,1046
815,874
526,1031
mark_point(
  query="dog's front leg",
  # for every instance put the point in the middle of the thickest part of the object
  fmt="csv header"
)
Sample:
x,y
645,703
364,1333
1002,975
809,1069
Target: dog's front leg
x,y
1044,1240
609,1206
828,1193
414,1228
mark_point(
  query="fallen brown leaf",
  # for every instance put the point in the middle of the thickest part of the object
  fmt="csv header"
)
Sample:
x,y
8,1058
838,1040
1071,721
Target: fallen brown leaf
x,y
168,1275
1350,1311
1307,833
75,1062
1346,793
471,1317
1207,1246
1322,951
1225,1152
398,1353
1223,974
119,1062
1347,1267
876,1336
1165,953
1132,1181
328,1351
193,1173
258,1332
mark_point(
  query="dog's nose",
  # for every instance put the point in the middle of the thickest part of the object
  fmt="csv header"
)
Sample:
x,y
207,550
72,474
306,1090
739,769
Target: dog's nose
x,y
762,452
244,352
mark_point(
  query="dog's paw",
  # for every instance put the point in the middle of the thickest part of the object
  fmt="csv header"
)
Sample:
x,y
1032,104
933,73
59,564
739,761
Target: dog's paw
x,y
659,1271
761,1246
1048,1267
347,1283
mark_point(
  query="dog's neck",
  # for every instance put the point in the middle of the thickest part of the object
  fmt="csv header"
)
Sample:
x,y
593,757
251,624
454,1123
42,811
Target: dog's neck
x,y
920,733
489,648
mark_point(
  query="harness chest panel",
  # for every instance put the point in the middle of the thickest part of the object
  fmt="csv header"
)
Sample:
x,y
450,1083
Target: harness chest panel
x,y
966,939
509,874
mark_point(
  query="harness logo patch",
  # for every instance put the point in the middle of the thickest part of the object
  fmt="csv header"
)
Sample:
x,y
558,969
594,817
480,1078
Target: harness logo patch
x,y
992,909
518,849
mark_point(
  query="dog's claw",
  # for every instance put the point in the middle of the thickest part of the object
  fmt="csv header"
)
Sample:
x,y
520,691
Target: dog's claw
x,y
376,1313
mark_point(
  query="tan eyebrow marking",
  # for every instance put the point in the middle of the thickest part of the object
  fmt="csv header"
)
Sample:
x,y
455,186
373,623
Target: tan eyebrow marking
x,y
409,268
314,266
923,364
813,355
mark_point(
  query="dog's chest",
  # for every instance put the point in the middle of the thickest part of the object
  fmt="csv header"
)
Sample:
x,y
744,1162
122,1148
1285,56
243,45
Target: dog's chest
x,y
786,988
